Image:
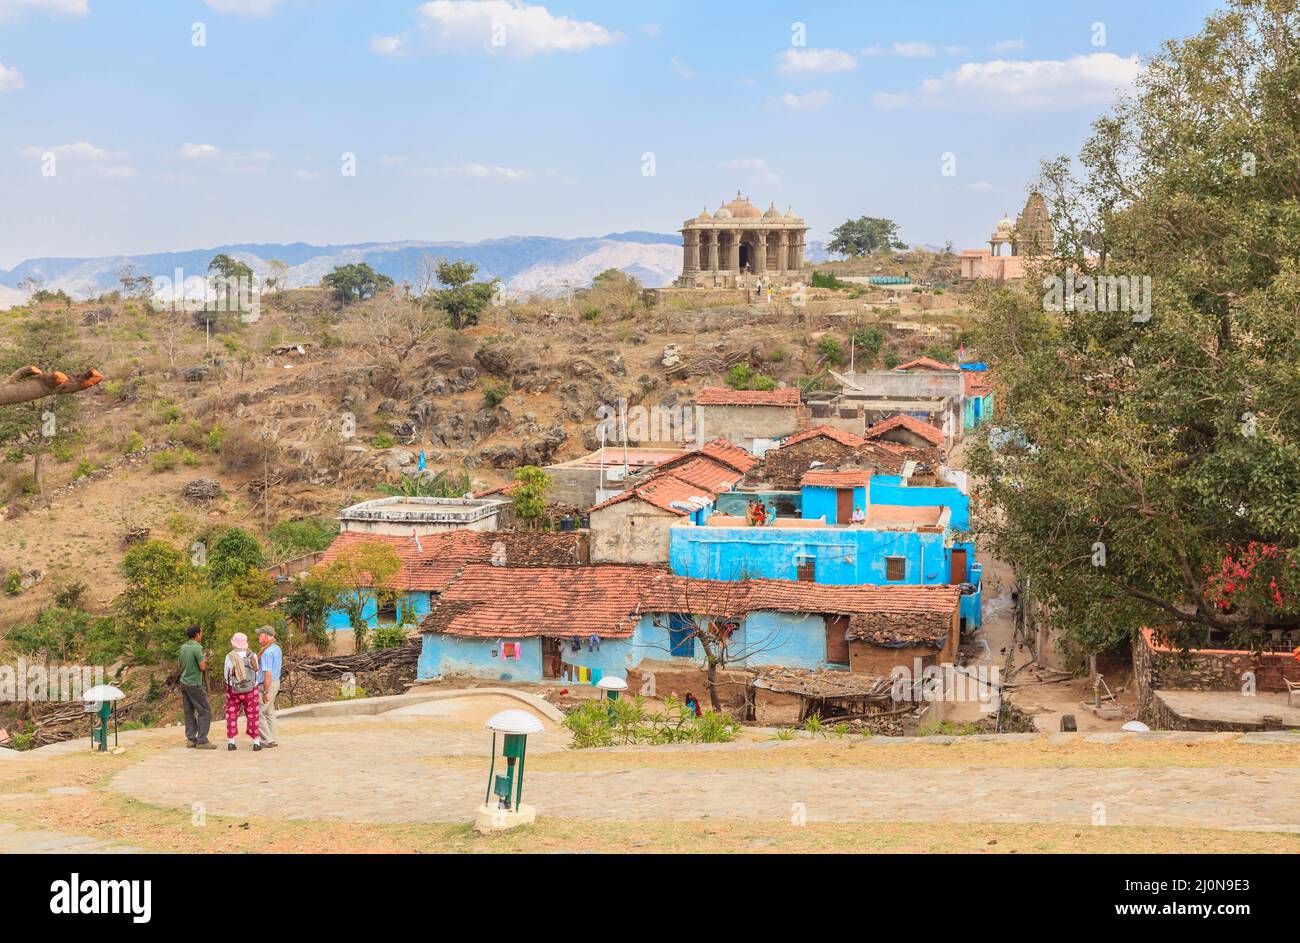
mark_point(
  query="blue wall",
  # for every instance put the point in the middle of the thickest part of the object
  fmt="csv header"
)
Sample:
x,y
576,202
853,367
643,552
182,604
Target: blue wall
x,y
822,502
796,640
885,492
416,602
844,556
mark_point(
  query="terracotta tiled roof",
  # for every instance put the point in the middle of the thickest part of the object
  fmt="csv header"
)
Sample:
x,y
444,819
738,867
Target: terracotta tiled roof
x,y
907,622
911,424
513,602
925,363
722,396
976,384
608,599
706,473
508,488
819,478
435,560
881,459
830,432
662,491
729,453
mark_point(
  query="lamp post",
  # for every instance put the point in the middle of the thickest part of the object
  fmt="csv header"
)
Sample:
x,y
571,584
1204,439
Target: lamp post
x,y
101,702
508,811
612,685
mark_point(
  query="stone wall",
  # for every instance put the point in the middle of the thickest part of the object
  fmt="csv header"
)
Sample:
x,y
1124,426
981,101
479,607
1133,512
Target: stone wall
x,y
782,468
631,531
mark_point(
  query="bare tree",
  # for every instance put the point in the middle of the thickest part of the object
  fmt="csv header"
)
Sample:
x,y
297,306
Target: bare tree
x,y
29,383
396,326
711,613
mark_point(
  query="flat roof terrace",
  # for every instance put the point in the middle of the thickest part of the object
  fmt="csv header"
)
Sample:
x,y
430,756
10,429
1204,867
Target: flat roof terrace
x,y
879,517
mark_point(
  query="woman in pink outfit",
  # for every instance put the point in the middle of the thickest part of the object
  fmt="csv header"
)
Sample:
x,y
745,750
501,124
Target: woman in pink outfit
x,y
241,691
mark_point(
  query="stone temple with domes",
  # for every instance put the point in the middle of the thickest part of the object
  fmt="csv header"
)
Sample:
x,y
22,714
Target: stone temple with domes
x,y
737,244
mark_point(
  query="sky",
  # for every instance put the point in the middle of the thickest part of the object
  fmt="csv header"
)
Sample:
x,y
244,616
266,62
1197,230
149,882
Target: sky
x,y
133,126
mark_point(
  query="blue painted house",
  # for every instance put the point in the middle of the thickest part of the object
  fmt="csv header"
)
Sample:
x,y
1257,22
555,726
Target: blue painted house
x,y
977,401
575,625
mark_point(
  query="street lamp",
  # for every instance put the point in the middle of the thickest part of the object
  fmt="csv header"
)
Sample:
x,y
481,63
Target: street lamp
x,y
508,811
101,703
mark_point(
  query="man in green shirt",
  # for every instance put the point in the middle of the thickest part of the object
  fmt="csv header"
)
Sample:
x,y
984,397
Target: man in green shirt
x,y
194,697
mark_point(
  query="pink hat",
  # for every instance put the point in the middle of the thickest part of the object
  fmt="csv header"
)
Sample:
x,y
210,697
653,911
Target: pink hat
x,y
240,641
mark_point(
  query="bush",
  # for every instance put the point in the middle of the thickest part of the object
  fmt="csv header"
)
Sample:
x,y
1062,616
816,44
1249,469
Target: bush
x,y
388,636
134,443
212,441
591,314
14,583
84,468
602,723
495,394
305,535
383,441
165,460
740,377
830,350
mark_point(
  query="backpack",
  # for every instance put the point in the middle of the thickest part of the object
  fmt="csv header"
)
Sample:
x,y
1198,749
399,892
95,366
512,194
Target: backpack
x,y
250,671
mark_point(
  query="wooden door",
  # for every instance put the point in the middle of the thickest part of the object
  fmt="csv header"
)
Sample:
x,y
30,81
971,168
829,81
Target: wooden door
x,y
958,574
844,506
837,643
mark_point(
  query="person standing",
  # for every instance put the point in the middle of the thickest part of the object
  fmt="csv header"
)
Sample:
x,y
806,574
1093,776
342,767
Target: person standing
x,y
271,661
241,691
194,697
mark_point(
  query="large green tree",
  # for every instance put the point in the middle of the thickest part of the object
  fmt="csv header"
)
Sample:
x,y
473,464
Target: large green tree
x,y
864,235
1145,457
463,298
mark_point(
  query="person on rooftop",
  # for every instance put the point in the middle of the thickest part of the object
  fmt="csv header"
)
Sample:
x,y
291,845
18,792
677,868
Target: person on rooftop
x,y
859,515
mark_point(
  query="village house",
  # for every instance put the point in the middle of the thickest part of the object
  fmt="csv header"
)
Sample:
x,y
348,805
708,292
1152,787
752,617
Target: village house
x,y
924,389
582,482
752,419
907,431
579,623
403,516
430,562
977,407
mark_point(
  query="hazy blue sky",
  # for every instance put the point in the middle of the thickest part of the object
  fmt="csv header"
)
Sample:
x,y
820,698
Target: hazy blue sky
x,y
470,120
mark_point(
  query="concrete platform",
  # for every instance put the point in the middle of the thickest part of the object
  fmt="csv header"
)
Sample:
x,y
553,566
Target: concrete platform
x,y
1230,708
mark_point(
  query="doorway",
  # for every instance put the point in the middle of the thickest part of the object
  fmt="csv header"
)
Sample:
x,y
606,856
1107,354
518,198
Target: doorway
x,y
844,506
552,657
837,641
746,257
958,574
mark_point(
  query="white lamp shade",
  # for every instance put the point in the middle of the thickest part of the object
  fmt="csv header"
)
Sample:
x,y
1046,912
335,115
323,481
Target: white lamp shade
x,y
612,683
103,692
514,722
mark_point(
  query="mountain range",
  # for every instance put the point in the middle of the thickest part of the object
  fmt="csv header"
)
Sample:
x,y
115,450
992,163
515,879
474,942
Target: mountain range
x,y
522,263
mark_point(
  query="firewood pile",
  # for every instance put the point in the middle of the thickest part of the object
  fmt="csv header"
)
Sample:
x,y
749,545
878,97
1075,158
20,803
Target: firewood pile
x,y
201,490
336,666
135,534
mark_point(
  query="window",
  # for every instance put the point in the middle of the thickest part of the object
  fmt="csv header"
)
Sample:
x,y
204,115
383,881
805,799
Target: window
x,y
807,571
386,611
895,568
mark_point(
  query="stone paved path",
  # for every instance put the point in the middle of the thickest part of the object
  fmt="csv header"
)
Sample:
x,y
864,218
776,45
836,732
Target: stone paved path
x,y
18,841
383,774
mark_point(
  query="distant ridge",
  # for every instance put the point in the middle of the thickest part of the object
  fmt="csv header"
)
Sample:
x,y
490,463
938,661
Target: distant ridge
x,y
523,263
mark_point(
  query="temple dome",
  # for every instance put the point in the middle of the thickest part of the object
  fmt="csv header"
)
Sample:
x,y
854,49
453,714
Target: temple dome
x,y
741,208
789,213
772,212
705,216
1005,225
723,212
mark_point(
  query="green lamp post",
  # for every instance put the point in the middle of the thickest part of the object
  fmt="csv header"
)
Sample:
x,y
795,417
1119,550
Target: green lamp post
x,y
508,809
101,704
612,685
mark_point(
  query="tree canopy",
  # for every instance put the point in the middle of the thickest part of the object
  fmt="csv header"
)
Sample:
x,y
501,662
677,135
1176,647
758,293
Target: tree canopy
x,y
864,235
1147,463
355,282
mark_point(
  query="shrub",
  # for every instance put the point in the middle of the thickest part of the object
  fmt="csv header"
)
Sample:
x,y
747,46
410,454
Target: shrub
x,y
134,443
830,350
212,441
591,314
495,394
388,636
165,460
600,723
14,583
383,441
740,376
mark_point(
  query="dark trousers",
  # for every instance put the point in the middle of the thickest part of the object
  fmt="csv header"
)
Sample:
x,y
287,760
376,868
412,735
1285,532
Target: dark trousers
x,y
198,712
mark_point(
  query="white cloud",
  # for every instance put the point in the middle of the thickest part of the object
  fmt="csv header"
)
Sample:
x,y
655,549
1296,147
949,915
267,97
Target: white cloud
x,y
81,150
211,157
11,8
1039,85
1008,45
387,45
513,28
745,163
681,68
10,79
244,7
955,50
815,61
913,48
809,101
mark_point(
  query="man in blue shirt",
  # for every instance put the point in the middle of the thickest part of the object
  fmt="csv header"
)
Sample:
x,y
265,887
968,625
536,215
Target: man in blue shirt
x,y
271,661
